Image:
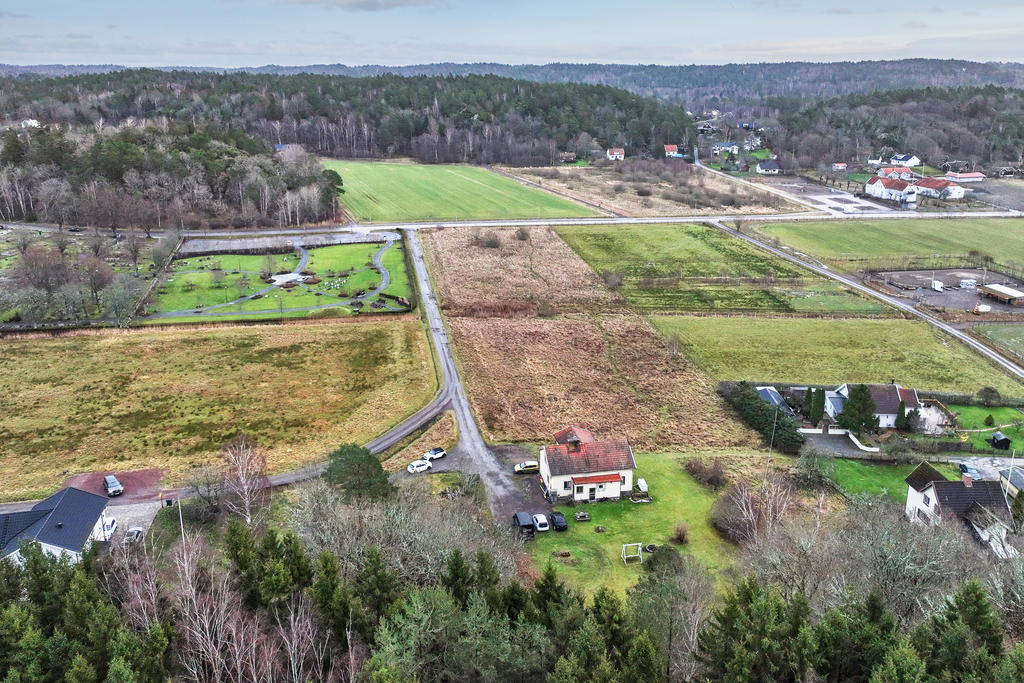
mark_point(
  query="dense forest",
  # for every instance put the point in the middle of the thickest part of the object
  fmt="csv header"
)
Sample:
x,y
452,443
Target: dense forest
x,y
480,119
700,87
980,125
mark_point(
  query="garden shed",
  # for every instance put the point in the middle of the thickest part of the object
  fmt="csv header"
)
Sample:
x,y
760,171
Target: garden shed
x,y
1000,441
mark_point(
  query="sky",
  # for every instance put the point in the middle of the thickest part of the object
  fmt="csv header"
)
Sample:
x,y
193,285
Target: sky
x,y
233,33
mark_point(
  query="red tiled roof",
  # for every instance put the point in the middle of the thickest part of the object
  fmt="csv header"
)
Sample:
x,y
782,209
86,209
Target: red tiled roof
x,y
934,183
596,479
890,183
596,456
975,174
566,435
671,148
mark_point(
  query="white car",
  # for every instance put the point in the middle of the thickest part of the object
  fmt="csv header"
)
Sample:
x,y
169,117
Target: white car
x,y
540,523
109,527
435,453
419,466
134,535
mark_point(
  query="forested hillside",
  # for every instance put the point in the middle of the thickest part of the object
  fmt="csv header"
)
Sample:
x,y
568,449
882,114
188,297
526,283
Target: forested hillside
x,y
480,119
699,86
981,125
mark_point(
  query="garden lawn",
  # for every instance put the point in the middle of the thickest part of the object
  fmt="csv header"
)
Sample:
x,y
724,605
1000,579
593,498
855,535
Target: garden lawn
x,y
819,351
392,191
677,268
856,245
973,418
596,558
858,476
169,398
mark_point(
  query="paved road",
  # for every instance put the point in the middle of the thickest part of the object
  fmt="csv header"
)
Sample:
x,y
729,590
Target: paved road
x,y
852,283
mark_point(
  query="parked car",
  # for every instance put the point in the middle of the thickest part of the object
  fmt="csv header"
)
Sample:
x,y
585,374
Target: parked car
x,y
109,527
112,486
523,522
133,535
419,466
435,453
558,522
527,467
540,523
969,470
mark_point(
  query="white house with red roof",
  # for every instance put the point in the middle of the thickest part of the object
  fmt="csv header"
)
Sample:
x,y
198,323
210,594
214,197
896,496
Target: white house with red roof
x,y
895,172
615,154
672,151
891,189
580,468
939,187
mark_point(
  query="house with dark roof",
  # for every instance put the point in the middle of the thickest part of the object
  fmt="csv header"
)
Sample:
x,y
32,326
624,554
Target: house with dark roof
x,y
580,468
981,505
767,168
719,148
65,524
886,397
907,160
772,395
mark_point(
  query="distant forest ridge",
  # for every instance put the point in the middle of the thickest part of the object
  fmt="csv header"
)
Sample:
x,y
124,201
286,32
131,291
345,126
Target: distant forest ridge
x,y
698,86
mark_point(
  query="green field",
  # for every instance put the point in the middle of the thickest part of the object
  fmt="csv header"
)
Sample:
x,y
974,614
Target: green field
x,y
392,191
670,268
973,417
917,243
211,281
857,476
1010,336
832,352
169,398
596,558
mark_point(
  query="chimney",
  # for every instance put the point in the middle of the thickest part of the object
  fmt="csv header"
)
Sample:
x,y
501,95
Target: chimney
x,y
573,443
968,482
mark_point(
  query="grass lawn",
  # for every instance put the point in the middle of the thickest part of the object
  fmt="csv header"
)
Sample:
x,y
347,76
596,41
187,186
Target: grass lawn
x,y
1009,336
973,417
761,154
875,478
820,351
855,245
344,270
390,191
596,558
698,268
170,398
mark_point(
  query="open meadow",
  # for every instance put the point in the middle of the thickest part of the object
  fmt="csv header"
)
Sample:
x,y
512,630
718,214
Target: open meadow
x,y
543,343
169,398
902,244
664,187
1007,336
971,421
377,191
879,478
833,352
675,268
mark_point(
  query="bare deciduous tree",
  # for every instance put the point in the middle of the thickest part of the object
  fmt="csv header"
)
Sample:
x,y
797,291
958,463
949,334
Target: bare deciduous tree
x,y
245,478
131,580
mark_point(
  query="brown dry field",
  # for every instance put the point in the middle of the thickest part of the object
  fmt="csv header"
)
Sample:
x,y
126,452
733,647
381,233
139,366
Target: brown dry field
x,y
515,278
595,184
593,363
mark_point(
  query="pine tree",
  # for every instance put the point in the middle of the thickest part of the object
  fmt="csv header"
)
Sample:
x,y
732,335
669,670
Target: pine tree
x,y
643,662
80,671
375,584
485,573
901,664
459,578
13,152
610,614
964,639
901,417
852,640
358,473
516,602
296,561
819,406
119,672
859,412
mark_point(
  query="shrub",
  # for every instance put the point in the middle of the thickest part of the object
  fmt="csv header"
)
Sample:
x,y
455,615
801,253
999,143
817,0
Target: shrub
x,y
613,280
643,192
546,310
681,534
989,396
664,560
618,188
774,425
522,234
712,475
490,241
990,421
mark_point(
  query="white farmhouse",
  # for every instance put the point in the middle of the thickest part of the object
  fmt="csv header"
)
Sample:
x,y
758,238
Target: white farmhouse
x,y
939,188
615,154
981,505
891,189
907,160
767,168
64,525
577,467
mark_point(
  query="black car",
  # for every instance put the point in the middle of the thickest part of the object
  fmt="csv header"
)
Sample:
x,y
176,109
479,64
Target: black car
x,y
558,522
523,521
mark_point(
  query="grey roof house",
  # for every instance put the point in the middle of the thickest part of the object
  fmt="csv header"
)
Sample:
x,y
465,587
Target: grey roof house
x,y
66,523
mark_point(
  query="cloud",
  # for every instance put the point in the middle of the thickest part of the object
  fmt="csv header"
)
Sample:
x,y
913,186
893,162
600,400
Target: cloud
x,y
839,10
365,5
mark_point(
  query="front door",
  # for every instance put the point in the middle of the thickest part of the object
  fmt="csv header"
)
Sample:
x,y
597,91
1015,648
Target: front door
x,y
593,493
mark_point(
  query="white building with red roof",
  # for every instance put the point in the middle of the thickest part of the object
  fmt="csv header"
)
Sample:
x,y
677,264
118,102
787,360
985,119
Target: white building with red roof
x,y
939,187
615,154
973,177
891,189
672,151
896,172
580,468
